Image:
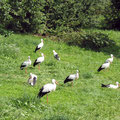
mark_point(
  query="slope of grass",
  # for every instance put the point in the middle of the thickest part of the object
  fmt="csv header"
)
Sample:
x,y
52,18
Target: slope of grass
x,y
86,100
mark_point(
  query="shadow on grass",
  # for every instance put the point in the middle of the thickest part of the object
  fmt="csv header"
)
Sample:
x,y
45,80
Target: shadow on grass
x,y
87,75
113,49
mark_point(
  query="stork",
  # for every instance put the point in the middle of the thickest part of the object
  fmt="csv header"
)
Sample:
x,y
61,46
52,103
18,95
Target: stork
x,y
39,46
56,55
111,86
72,77
110,59
32,79
104,66
38,61
25,64
47,89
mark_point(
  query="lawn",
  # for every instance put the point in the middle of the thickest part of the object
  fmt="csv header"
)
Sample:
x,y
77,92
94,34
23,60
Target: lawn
x,y
85,101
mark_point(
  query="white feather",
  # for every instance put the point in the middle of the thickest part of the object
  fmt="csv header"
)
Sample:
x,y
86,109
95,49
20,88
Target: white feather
x,y
30,80
27,62
105,65
41,44
54,52
74,76
114,86
40,59
50,86
110,59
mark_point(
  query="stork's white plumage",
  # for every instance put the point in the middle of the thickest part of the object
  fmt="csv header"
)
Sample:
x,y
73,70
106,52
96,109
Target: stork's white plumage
x,y
111,86
110,59
25,64
39,46
32,79
47,88
39,60
56,56
72,77
104,66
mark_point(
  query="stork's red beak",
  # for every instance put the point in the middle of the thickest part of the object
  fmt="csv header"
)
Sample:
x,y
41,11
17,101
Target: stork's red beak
x,y
56,82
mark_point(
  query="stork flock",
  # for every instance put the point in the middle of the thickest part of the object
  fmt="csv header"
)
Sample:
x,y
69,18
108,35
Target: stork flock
x,y
47,88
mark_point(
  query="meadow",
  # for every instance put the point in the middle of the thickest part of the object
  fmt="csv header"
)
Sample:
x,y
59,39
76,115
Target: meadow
x,y
85,101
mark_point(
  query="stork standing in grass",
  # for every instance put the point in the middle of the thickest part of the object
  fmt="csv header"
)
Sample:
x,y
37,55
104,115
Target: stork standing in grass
x,y
39,46
47,89
72,77
104,66
111,86
110,59
32,79
25,64
56,56
38,61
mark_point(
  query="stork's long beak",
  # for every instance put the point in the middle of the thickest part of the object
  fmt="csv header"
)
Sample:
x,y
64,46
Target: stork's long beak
x,y
56,82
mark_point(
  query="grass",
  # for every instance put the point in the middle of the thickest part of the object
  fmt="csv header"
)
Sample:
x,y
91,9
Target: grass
x,y
85,101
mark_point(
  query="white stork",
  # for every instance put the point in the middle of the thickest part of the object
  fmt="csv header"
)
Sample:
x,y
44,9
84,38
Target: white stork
x,y
39,46
110,59
38,61
32,79
72,77
111,86
47,89
25,64
104,66
56,55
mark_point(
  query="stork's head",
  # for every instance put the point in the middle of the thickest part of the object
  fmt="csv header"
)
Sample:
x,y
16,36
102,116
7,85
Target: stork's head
x,y
42,54
28,57
77,71
111,55
30,74
41,40
117,83
54,81
54,51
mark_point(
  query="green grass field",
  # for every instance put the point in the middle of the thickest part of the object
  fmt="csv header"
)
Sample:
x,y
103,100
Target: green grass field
x,y
85,101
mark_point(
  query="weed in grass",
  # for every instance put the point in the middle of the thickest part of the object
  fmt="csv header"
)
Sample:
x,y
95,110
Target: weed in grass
x,y
87,75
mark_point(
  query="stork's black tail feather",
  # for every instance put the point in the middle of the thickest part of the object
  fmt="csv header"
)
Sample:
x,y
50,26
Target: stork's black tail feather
x,y
102,85
36,49
34,80
100,68
67,80
35,63
22,66
41,93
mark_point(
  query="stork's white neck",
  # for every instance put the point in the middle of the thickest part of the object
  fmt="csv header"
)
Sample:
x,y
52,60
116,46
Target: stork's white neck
x,y
117,84
77,75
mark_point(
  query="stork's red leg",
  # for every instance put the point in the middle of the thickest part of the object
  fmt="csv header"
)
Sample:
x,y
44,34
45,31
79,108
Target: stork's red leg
x,y
72,83
39,66
26,70
47,98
